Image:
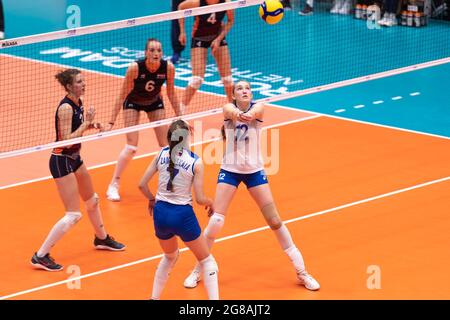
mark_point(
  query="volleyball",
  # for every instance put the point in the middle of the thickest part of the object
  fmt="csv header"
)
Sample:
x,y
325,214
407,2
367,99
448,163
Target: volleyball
x,y
271,11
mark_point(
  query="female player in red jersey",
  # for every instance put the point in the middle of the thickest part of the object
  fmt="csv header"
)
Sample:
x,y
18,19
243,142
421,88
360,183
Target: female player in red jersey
x,y
141,91
209,32
71,176
243,162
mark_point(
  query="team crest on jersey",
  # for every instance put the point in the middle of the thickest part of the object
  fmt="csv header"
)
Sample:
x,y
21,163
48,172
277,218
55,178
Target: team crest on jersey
x,y
142,76
161,76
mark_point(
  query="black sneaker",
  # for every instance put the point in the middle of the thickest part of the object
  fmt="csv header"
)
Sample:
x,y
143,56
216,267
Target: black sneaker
x,y
307,10
46,262
108,244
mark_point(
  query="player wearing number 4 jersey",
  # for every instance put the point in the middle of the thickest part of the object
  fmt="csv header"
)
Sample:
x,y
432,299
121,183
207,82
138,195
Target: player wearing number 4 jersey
x,y
243,163
209,32
141,91
179,170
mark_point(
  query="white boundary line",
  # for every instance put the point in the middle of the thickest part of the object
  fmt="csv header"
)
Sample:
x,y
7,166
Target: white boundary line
x,y
315,214
134,22
281,124
365,122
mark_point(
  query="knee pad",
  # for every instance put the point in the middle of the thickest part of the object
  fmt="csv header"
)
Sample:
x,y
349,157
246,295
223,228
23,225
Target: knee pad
x,y
130,149
209,265
195,82
168,261
70,219
272,217
215,224
227,81
92,203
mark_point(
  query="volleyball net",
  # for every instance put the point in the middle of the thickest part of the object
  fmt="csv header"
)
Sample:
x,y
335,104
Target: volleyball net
x,y
294,57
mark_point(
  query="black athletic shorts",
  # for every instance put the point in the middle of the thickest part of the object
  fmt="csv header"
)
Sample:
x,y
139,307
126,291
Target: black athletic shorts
x,y
62,165
197,43
156,105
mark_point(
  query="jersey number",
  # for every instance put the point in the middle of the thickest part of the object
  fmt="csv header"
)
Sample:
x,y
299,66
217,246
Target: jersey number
x,y
212,18
241,132
175,172
150,86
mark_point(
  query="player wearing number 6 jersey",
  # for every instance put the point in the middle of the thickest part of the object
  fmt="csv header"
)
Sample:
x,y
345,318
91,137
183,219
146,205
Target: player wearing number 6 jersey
x,y
141,91
208,32
179,170
242,162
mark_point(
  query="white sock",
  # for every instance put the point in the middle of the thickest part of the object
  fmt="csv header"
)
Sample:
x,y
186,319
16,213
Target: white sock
x,y
125,157
162,273
58,231
284,237
296,258
310,3
210,270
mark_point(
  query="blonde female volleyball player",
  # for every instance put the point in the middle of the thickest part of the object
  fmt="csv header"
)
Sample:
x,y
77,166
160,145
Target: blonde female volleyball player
x,y
243,163
179,169
141,91
209,32
71,176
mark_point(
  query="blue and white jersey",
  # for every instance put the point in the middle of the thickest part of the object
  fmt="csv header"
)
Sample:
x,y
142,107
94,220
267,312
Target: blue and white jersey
x,y
243,146
185,161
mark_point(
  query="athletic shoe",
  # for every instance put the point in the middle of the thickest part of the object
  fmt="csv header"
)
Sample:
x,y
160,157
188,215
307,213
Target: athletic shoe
x,y
108,244
337,6
113,192
384,20
308,281
46,262
192,279
307,11
346,7
391,20
2,35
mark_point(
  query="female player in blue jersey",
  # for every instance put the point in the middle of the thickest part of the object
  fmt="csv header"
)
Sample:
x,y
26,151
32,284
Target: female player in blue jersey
x,y
71,176
209,32
243,162
141,91
179,170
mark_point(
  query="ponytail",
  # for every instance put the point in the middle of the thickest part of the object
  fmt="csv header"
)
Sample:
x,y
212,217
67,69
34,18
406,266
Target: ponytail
x,y
172,153
174,147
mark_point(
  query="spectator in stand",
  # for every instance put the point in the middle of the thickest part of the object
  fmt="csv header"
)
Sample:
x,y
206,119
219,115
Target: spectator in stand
x,y
2,22
175,34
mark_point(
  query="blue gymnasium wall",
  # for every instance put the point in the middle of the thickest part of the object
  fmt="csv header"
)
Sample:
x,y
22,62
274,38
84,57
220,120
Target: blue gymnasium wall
x,y
28,17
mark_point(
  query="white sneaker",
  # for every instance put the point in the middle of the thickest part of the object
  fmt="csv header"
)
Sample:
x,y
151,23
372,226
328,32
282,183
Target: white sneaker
x,y
337,6
308,281
113,192
346,7
192,279
384,20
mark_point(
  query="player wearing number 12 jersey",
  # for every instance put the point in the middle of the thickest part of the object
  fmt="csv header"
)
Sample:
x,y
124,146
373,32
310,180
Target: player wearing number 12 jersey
x,y
141,91
243,163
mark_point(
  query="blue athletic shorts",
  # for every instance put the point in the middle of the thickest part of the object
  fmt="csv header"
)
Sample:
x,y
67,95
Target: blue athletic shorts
x,y
250,180
175,220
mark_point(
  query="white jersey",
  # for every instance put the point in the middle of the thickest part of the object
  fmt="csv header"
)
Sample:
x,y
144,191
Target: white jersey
x,y
184,176
243,146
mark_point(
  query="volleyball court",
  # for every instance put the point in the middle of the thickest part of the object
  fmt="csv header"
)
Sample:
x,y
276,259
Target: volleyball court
x,y
361,201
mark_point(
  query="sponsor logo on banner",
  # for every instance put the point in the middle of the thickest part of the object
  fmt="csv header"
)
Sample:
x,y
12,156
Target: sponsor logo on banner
x,y
71,32
9,44
131,22
187,12
242,2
